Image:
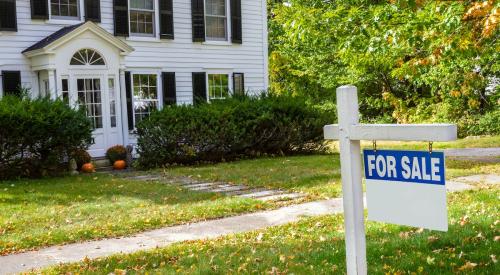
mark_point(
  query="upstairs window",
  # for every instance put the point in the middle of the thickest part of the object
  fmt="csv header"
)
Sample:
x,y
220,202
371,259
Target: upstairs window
x,y
142,14
64,9
216,20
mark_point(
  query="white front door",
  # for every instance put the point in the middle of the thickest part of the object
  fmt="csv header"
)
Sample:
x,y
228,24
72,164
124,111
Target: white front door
x,y
98,96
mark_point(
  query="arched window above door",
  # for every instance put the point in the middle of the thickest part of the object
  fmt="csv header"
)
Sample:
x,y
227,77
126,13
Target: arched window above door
x,y
87,57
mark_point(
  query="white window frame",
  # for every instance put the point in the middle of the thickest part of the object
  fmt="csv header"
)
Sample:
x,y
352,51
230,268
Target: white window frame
x,y
228,24
229,83
156,26
62,19
159,93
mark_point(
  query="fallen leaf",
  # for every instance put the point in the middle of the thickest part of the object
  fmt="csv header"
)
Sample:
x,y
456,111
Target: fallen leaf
x,y
467,266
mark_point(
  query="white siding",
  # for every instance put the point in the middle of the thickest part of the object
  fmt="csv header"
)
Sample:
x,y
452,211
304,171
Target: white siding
x,y
180,55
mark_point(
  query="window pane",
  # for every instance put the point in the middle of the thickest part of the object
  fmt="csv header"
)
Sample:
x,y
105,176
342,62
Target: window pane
x,y
218,86
145,95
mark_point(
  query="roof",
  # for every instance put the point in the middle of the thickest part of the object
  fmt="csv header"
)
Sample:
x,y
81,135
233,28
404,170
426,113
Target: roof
x,y
52,38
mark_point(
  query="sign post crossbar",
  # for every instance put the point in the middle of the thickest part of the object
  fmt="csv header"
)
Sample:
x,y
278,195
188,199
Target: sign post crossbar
x,y
349,133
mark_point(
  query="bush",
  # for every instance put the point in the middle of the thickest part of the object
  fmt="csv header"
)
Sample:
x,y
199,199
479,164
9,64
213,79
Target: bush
x,y
117,152
487,124
230,129
81,157
37,136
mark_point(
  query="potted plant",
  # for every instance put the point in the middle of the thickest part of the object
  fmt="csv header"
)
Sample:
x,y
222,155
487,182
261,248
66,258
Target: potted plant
x,y
117,156
81,157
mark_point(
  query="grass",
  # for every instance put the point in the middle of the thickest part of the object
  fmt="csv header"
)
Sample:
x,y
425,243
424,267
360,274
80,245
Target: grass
x,y
37,213
316,175
316,246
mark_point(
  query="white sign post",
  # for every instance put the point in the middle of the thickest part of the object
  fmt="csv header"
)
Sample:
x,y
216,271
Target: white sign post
x,y
349,133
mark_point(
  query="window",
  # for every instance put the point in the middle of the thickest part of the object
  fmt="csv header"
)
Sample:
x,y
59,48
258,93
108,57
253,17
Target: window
x,y
65,90
89,98
142,13
145,95
112,101
87,57
64,9
216,20
218,86
239,83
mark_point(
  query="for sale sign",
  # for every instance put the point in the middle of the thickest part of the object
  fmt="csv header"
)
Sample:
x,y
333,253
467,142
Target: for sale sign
x,y
406,188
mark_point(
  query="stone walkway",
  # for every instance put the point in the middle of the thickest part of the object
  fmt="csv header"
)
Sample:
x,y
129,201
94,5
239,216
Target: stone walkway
x,y
475,154
163,237
16,263
237,190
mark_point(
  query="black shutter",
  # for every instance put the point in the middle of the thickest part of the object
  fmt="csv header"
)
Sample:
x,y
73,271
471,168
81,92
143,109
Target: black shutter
x,y
11,81
93,10
8,15
166,19
120,11
198,18
236,25
39,9
169,90
199,88
239,84
128,94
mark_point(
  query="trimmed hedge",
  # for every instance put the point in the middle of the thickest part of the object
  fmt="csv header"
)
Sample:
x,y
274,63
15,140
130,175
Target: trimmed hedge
x,y
229,129
38,135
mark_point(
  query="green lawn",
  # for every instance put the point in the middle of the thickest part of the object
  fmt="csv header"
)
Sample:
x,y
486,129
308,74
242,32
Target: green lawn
x,y
316,246
316,175
38,213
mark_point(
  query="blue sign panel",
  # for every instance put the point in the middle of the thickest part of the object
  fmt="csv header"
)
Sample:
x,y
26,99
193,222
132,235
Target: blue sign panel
x,y
406,166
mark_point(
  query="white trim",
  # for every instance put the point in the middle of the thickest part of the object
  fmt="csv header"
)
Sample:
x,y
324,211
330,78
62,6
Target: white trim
x,y
88,26
265,44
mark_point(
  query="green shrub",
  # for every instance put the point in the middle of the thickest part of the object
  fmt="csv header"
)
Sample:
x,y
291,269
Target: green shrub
x,y
231,128
117,152
487,124
38,135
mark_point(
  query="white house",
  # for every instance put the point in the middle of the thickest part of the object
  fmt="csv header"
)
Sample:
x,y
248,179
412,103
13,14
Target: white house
x,y
120,59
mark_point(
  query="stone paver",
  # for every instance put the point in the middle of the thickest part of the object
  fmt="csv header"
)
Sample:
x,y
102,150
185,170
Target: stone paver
x,y
163,237
486,179
225,188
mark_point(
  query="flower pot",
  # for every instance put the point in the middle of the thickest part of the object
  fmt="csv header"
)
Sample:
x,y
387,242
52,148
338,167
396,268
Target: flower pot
x,y
119,165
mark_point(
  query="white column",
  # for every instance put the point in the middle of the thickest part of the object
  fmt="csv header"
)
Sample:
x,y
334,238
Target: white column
x,y
350,159
52,84
121,90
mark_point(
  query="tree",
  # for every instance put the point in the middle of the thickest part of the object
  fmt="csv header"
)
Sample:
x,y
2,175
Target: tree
x,y
413,60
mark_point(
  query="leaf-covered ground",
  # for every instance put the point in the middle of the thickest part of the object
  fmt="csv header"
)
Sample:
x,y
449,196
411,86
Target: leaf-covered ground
x,y
316,246
36,213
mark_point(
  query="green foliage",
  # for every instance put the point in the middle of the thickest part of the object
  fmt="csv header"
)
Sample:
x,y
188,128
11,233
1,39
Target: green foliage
x,y
230,129
412,60
38,135
117,152
81,156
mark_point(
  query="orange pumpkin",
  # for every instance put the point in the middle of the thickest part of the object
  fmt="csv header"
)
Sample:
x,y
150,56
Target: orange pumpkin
x,y
119,165
88,168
